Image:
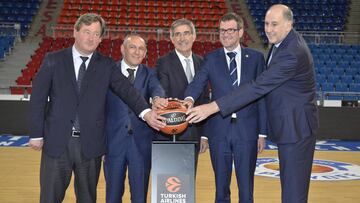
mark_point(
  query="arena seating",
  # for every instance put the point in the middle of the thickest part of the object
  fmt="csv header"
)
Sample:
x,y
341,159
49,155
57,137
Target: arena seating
x,y
6,44
337,68
309,15
19,11
108,47
143,13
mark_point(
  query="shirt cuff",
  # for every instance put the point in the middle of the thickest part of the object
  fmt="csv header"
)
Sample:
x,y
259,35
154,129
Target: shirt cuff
x,y
142,114
190,98
151,99
261,135
205,138
38,138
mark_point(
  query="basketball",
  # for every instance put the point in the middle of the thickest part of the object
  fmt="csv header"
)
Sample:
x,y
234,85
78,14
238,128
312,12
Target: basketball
x,y
175,118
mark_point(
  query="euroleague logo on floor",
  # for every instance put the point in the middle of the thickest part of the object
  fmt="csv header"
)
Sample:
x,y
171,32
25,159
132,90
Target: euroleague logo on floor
x,y
322,170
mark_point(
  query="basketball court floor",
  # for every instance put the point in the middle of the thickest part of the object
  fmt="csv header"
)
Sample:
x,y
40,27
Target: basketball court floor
x,y
335,177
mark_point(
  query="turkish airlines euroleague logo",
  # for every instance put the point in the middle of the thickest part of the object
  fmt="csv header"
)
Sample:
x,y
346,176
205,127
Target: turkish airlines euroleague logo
x,y
173,184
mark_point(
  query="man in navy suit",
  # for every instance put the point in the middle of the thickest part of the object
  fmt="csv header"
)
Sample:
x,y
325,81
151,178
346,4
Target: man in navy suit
x,y
67,112
288,85
233,138
128,136
176,70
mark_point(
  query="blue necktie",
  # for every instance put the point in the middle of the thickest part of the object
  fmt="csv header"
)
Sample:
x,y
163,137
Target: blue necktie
x,y
81,74
233,69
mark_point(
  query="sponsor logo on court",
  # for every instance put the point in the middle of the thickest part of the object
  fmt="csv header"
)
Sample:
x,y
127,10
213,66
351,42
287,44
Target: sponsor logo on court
x,y
322,170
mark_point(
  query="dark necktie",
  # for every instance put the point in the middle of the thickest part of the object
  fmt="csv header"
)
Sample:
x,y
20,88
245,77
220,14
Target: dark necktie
x,y
81,74
131,76
232,68
82,70
273,51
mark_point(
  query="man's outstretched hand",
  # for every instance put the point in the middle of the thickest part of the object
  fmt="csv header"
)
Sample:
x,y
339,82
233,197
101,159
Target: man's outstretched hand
x,y
199,113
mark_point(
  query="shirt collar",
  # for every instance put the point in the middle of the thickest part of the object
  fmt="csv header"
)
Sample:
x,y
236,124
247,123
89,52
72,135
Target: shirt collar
x,y
237,50
125,66
76,53
182,57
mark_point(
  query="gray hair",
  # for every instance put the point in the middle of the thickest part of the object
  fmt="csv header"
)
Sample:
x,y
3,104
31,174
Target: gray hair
x,y
88,19
182,21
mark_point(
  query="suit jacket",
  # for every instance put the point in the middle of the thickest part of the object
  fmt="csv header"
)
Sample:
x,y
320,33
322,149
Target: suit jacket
x,y
289,86
251,120
173,79
56,81
122,122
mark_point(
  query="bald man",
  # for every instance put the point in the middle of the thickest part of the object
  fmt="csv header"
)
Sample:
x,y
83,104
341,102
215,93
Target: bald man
x,y
288,86
128,136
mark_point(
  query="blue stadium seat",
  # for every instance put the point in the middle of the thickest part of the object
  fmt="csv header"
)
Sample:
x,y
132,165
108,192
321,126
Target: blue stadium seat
x,y
357,79
320,78
355,64
348,79
338,71
333,78
351,71
354,87
341,87
325,71
327,87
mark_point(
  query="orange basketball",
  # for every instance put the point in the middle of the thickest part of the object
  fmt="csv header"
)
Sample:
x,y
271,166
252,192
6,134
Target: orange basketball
x,y
175,117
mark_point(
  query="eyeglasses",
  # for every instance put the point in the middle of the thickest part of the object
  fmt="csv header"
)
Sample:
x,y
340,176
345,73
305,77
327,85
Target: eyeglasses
x,y
229,31
184,34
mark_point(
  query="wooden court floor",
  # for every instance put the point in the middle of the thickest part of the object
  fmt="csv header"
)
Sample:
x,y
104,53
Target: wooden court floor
x,y
19,180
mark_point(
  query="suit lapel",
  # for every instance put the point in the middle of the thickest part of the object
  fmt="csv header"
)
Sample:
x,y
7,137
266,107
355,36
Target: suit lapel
x,y
90,72
70,70
223,68
140,77
177,67
196,62
245,57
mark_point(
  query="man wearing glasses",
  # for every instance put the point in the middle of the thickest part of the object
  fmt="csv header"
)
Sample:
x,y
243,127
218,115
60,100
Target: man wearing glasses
x,y
233,138
176,70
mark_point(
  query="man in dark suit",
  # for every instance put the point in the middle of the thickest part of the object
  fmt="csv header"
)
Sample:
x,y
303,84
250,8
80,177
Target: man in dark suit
x,y
288,85
67,112
176,70
128,137
232,138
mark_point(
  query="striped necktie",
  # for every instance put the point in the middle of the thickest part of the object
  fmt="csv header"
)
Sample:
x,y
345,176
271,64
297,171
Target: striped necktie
x,y
233,68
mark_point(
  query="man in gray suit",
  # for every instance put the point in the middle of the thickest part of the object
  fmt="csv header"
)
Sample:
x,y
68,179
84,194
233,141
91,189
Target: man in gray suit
x,y
69,126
